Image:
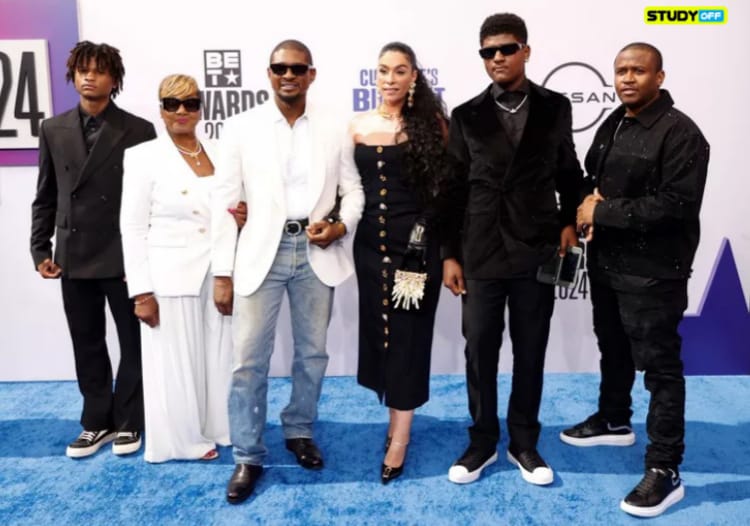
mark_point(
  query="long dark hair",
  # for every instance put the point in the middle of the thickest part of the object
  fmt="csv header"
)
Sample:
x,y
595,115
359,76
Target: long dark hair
x,y
424,122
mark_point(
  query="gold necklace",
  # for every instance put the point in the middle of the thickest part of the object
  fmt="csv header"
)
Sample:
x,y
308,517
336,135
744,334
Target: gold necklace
x,y
193,155
386,115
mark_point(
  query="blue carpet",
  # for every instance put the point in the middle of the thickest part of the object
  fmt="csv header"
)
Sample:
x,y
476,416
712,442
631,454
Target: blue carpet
x,y
39,485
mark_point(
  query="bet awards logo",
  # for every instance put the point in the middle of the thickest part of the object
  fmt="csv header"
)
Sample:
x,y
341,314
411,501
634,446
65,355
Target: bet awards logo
x,y
592,98
223,97
222,68
366,97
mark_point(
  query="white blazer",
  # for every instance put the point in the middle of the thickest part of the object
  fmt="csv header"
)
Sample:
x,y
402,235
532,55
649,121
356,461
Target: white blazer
x,y
249,160
165,220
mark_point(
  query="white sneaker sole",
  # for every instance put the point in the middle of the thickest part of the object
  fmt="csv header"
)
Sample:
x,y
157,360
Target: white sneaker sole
x,y
540,476
461,475
673,498
126,449
80,452
601,440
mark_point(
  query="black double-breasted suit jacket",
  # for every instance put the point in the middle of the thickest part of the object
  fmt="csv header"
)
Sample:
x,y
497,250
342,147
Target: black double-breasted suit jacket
x,y
78,194
503,215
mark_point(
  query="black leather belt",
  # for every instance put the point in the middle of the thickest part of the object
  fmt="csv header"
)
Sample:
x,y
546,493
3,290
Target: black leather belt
x,y
295,227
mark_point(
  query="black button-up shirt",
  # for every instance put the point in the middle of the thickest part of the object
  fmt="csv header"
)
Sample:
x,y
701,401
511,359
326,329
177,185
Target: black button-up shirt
x,y
513,121
91,126
651,170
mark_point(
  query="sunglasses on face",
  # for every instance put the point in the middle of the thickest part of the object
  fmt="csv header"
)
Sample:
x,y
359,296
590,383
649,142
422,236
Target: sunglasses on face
x,y
281,69
505,50
172,104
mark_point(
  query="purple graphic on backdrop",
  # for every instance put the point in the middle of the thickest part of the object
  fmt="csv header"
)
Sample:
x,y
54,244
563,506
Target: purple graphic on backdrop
x,y
55,21
716,340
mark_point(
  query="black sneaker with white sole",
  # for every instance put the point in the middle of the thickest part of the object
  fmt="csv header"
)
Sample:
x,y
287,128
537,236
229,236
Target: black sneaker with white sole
x,y
657,491
89,442
596,431
126,442
469,467
534,469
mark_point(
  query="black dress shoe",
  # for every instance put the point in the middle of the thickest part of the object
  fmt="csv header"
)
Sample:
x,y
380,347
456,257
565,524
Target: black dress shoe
x,y
242,483
387,473
307,453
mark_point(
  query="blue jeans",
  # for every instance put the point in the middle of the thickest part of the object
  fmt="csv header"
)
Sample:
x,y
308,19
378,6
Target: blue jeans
x,y
254,325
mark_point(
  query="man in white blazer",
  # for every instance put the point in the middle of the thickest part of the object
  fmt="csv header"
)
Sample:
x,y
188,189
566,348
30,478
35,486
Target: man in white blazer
x,y
289,161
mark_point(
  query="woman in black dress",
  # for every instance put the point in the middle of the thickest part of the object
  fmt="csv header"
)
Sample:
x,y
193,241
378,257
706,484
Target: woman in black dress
x,y
400,154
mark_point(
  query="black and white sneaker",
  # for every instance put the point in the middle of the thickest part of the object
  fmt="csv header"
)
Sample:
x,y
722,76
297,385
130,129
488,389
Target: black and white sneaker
x,y
88,443
469,467
657,491
595,431
126,442
534,469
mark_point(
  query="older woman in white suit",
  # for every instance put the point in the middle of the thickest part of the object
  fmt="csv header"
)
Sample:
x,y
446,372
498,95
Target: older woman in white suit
x,y
166,233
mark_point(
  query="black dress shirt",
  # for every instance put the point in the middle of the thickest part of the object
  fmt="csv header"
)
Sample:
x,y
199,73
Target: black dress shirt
x,y
91,126
515,112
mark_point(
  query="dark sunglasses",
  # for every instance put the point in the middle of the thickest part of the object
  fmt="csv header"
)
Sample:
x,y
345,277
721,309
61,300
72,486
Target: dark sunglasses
x,y
172,104
297,69
505,50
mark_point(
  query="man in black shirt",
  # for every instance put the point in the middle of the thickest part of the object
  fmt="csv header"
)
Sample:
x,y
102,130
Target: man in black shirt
x,y
513,148
78,200
647,169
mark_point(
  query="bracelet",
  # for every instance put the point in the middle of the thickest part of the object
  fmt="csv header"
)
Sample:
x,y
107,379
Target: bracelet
x,y
144,300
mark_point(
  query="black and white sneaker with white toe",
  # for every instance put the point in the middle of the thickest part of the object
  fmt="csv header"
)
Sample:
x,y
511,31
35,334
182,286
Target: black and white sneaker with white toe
x,y
658,490
534,469
88,443
127,442
469,467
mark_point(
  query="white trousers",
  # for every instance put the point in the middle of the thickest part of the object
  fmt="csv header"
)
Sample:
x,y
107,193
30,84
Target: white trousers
x,y
187,367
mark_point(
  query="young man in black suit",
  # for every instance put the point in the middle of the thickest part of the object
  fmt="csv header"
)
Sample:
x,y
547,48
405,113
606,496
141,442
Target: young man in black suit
x,y
514,149
78,197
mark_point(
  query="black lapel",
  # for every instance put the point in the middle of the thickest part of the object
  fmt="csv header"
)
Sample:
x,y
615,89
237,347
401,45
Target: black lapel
x,y
74,146
484,117
113,130
488,129
538,124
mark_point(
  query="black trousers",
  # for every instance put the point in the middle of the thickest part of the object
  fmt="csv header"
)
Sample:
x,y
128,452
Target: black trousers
x,y
530,305
84,308
636,327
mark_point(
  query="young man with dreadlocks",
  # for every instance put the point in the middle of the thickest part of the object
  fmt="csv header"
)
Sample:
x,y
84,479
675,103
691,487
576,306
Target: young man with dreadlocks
x,y
78,198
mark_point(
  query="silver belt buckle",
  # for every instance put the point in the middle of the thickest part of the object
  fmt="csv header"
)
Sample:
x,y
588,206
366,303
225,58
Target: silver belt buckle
x,y
293,227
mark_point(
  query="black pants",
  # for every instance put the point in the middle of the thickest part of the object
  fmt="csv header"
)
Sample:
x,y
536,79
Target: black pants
x,y
636,327
84,308
530,305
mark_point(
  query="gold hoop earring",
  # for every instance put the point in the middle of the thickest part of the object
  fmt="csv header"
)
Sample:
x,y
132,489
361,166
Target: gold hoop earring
x,y
410,99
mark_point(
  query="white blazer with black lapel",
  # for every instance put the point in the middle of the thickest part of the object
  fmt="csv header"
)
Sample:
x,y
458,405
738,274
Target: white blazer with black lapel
x,y
78,194
249,159
165,220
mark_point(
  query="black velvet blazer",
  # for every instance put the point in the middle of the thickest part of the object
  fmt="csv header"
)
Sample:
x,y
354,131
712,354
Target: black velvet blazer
x,y
502,215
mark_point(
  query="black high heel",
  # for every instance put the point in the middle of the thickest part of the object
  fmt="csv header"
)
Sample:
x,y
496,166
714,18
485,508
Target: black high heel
x,y
389,473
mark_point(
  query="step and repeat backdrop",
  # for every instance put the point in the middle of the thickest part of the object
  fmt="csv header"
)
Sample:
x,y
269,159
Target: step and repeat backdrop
x,y
226,45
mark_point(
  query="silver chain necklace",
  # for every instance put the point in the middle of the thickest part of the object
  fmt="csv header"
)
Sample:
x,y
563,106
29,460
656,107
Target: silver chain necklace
x,y
512,110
